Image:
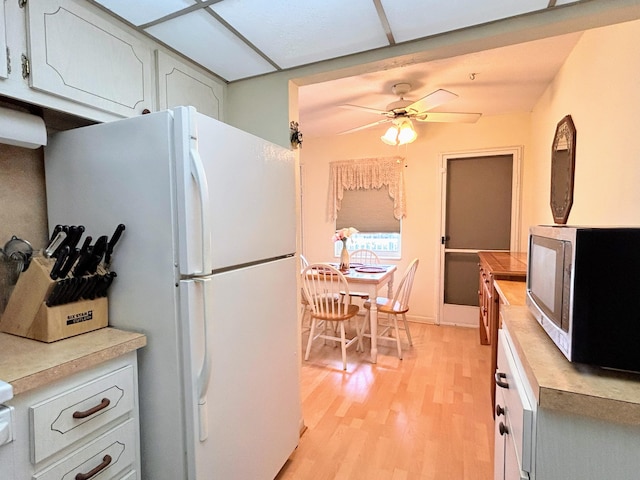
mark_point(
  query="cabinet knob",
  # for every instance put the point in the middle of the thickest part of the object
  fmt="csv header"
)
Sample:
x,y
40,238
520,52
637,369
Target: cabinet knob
x,y
503,429
498,377
499,410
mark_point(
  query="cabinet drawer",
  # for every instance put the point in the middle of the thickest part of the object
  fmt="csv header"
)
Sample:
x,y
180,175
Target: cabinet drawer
x,y
515,402
110,456
68,417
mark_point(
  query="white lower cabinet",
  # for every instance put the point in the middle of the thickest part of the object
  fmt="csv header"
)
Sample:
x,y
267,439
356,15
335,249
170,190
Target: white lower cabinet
x,y
82,427
539,443
513,419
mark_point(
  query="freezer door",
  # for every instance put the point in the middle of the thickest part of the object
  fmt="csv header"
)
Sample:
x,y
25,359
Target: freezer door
x,y
235,191
243,394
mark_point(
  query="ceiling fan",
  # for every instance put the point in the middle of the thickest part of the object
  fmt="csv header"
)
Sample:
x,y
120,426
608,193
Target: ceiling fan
x,y
402,109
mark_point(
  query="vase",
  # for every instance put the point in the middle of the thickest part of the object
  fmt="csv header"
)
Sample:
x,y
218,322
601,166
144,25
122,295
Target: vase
x,y
344,257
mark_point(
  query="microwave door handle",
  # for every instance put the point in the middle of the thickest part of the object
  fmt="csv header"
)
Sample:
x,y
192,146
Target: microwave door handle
x,y
200,177
204,375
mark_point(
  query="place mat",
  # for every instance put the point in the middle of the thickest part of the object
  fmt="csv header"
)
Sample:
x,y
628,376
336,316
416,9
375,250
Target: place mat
x,y
355,264
371,269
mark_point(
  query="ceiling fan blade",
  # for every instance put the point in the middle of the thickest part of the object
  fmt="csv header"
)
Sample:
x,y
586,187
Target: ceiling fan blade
x,y
448,117
364,109
432,101
364,126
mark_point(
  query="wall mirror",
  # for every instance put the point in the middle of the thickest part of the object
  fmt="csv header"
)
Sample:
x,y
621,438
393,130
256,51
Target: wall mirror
x,y
563,157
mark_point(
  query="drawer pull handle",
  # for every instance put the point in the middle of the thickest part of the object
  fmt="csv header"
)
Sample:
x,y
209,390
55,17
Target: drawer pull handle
x,y
499,376
106,461
499,410
502,428
104,403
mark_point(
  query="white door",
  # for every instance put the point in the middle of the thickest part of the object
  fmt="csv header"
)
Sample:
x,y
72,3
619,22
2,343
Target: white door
x,y
243,400
480,212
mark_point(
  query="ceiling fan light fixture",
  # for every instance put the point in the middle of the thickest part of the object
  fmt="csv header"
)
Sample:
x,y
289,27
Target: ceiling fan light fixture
x,y
406,133
391,136
400,134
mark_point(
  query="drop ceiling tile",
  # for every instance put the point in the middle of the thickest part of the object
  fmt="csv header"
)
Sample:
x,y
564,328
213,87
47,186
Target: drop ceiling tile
x,y
139,12
293,33
199,36
410,19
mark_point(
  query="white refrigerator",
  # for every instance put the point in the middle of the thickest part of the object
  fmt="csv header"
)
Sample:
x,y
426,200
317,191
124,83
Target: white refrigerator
x,y
206,269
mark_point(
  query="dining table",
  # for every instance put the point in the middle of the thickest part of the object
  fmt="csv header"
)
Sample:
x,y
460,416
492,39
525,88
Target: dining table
x,y
370,279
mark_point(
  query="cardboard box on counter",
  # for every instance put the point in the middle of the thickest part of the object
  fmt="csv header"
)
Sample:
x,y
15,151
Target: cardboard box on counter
x,y
27,314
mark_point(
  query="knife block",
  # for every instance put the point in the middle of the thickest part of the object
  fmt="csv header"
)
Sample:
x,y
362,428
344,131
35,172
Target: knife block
x,y
27,314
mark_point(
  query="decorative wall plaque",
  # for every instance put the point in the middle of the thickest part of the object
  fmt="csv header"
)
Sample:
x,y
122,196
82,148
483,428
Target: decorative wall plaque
x,y
563,156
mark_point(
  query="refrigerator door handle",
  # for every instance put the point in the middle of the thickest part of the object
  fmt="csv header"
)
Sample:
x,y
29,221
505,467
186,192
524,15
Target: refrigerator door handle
x,y
199,175
204,375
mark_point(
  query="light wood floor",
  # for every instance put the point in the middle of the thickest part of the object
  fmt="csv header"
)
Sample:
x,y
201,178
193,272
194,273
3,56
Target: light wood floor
x,y
427,416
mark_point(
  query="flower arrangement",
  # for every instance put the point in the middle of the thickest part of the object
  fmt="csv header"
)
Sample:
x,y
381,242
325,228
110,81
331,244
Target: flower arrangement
x,y
343,234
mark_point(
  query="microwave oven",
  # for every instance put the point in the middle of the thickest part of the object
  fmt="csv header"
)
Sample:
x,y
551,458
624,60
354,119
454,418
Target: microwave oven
x,y
583,287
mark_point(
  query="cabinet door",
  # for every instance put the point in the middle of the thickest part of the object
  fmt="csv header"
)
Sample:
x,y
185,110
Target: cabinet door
x,y
182,85
4,73
80,55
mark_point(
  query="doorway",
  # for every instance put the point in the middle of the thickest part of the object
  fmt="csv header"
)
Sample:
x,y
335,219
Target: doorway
x,y
480,212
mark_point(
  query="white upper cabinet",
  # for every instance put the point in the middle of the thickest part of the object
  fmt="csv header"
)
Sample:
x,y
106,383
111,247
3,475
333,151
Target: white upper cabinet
x,y
179,84
4,56
77,54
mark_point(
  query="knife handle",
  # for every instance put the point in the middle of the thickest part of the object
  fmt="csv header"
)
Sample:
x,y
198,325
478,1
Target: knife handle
x,y
62,256
71,259
112,243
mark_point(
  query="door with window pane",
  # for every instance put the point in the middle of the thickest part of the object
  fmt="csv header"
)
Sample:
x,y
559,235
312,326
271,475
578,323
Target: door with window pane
x,y
479,194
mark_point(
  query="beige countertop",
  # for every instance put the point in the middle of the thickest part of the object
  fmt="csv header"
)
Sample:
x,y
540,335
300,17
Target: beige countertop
x,y
27,364
570,387
512,292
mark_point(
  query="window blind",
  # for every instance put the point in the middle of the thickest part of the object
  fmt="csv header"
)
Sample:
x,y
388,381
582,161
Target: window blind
x,y
368,210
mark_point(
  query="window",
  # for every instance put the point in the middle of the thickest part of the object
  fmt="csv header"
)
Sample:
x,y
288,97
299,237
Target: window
x,y
368,194
371,213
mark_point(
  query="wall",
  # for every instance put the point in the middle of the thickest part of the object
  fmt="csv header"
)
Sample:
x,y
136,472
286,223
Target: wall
x,y
598,86
22,195
421,228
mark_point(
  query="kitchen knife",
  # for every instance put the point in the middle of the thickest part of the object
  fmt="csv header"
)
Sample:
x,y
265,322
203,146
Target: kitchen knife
x,y
97,253
114,239
62,256
65,229
83,260
55,293
71,259
75,233
105,284
57,229
70,284
55,243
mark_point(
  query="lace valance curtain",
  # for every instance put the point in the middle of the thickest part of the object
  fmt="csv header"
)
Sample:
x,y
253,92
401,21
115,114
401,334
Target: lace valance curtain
x,y
367,173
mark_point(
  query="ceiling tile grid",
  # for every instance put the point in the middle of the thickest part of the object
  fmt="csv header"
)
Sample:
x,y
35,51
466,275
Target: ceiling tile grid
x,y
292,33
140,12
237,39
202,38
411,19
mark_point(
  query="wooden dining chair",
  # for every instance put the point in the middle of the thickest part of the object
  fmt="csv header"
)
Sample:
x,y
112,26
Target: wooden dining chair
x,y
365,257
305,308
322,285
392,307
